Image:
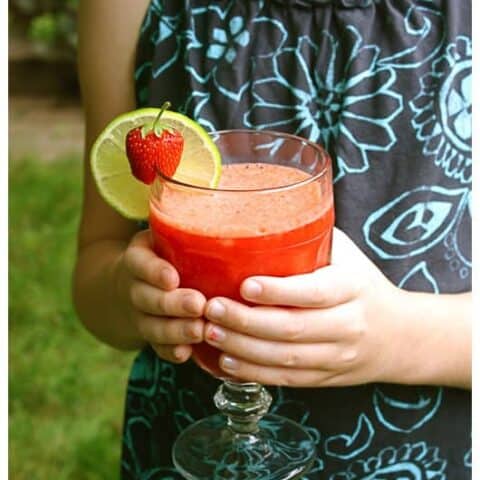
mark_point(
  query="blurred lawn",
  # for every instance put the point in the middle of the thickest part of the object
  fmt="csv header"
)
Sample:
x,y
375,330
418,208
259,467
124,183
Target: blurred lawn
x,y
66,390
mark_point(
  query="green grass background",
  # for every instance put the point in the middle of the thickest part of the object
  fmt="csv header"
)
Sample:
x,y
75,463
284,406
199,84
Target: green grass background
x,y
66,390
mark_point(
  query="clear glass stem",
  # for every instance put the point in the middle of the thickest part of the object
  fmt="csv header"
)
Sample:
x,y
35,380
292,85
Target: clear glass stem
x,y
243,404
243,442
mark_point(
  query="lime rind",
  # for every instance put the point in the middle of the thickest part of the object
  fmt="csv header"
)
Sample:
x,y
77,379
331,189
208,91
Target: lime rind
x,y
200,163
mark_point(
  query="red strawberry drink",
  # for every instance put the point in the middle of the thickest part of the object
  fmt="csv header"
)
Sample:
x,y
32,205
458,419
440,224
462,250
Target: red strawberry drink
x,y
263,219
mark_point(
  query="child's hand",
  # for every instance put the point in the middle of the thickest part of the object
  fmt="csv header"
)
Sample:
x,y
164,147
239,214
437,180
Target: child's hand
x,y
164,315
335,327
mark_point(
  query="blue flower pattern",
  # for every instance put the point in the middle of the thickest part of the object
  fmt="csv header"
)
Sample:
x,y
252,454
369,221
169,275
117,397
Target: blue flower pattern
x,y
226,40
409,462
355,96
443,121
325,107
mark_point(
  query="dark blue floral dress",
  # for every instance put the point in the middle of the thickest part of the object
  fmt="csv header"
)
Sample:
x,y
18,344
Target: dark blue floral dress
x,y
385,86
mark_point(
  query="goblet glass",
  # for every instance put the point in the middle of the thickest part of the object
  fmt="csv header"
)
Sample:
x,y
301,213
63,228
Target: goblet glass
x,y
272,214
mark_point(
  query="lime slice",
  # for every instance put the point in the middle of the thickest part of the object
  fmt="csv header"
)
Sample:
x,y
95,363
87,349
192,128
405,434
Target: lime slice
x,y
200,163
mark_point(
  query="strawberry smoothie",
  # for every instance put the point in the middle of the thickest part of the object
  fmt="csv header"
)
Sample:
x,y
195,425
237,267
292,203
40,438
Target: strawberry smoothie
x,y
217,238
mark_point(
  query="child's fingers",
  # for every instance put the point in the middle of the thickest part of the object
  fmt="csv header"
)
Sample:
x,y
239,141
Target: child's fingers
x,y
144,264
170,331
324,288
181,302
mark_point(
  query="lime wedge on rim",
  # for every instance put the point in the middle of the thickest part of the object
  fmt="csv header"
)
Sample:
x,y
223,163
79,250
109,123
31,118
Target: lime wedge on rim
x,y
200,163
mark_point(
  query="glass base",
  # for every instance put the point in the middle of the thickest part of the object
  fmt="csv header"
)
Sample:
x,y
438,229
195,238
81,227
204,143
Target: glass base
x,y
209,450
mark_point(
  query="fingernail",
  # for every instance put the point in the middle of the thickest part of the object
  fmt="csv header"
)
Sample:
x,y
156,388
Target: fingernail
x,y
215,310
168,278
179,352
251,288
228,363
191,332
190,305
216,334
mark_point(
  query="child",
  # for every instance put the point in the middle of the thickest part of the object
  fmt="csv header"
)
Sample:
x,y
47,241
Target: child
x,y
384,86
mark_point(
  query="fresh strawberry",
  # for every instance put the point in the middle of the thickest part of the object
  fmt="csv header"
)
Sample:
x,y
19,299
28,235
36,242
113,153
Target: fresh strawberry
x,y
153,148
142,154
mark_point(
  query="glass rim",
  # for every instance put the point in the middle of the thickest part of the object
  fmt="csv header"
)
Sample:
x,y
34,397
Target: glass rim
x,y
273,133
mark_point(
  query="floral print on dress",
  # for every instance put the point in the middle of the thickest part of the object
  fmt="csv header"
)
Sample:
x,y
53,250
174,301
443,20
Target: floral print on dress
x,y
323,106
409,462
218,38
385,87
443,111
